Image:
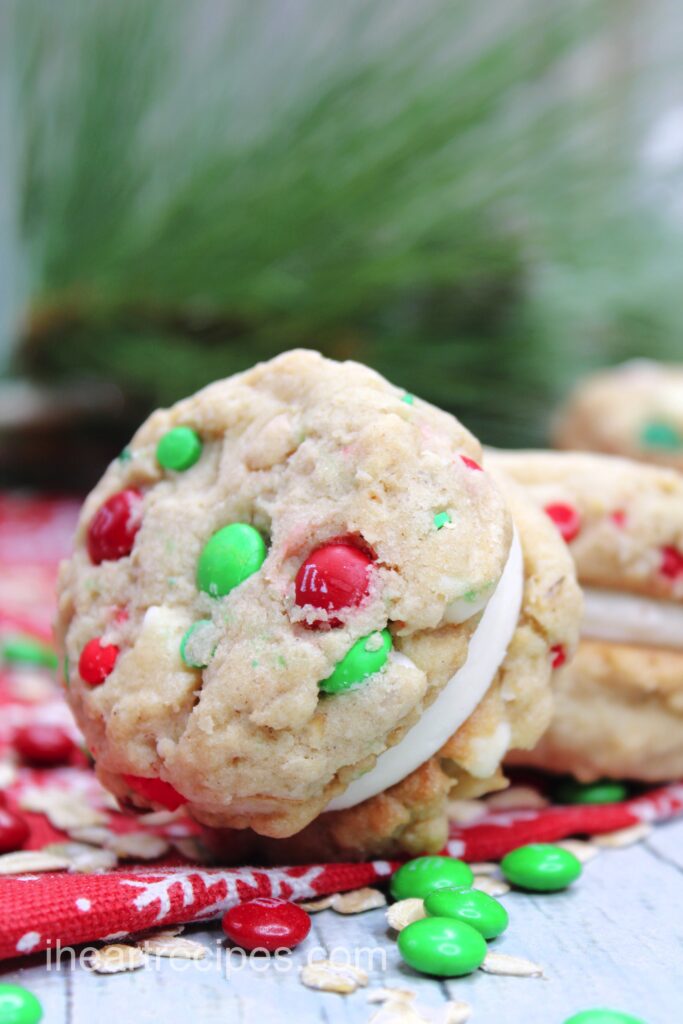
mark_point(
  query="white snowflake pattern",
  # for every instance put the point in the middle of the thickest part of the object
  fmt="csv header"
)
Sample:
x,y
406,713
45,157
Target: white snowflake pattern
x,y
194,885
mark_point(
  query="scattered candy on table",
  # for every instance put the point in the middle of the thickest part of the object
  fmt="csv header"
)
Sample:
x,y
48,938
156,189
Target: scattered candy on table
x,y
230,557
442,946
475,908
27,650
367,656
333,577
14,830
423,875
606,791
43,745
266,923
603,1017
18,1005
540,867
179,449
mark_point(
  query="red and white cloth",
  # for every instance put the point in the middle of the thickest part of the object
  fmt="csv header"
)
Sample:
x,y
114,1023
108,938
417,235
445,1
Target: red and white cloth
x,y
40,911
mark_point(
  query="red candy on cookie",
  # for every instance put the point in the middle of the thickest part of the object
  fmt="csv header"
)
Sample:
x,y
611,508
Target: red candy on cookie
x,y
558,656
672,563
470,463
156,791
97,661
334,576
266,923
43,745
566,519
112,531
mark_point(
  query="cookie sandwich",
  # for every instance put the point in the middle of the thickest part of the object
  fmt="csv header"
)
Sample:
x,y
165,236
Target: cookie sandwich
x,y
619,704
296,597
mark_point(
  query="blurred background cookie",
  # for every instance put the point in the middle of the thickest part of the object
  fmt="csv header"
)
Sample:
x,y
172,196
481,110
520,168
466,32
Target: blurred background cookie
x,y
635,409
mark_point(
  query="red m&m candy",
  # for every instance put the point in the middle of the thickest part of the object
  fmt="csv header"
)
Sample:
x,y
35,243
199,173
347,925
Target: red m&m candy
x,y
112,531
558,656
97,661
334,576
671,565
156,791
566,519
266,923
13,831
43,744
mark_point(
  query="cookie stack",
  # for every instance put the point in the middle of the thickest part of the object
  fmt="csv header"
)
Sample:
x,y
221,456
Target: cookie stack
x,y
619,703
299,607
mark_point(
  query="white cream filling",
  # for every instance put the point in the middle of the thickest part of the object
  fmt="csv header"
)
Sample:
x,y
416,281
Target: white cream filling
x,y
631,619
460,695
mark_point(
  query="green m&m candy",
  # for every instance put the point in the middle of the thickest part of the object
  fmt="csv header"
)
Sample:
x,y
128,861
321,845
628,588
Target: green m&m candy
x,y
604,792
475,908
179,448
603,1017
658,434
19,1006
541,867
367,656
26,650
198,645
423,875
231,556
442,946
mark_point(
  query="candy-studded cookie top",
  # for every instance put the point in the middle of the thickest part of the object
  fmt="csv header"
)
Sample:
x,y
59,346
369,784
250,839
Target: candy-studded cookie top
x,y
256,564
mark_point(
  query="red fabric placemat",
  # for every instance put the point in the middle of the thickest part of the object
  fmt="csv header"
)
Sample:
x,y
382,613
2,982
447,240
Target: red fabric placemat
x,y
41,910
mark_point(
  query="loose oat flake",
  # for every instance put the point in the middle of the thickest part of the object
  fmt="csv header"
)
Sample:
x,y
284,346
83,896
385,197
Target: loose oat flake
x,y
64,810
358,901
138,846
328,976
95,835
515,966
172,946
28,862
315,906
623,836
405,912
484,867
491,886
582,850
517,798
116,958
83,858
399,1008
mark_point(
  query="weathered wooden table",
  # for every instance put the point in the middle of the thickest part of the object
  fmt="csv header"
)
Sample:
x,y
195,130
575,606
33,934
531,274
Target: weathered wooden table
x,y
614,940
